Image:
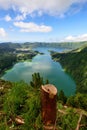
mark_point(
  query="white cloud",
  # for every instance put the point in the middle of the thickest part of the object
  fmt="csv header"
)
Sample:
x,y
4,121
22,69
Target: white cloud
x,y
32,27
82,37
52,7
20,17
7,18
2,32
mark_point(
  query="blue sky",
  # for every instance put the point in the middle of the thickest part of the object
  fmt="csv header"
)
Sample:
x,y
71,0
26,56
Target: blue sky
x,y
43,20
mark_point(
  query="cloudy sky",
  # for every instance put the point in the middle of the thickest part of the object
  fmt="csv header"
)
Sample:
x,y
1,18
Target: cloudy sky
x,y
43,20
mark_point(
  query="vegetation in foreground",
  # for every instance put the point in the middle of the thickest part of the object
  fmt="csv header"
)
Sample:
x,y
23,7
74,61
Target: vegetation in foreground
x,y
20,107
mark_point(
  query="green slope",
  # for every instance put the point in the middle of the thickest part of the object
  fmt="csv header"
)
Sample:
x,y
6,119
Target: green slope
x,y
75,63
22,101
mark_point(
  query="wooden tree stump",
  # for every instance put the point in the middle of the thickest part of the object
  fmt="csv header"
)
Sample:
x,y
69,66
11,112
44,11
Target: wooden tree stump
x,y
48,104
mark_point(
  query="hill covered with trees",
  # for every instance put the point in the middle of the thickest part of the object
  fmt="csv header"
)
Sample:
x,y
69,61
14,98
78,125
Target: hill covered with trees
x,y
75,63
11,53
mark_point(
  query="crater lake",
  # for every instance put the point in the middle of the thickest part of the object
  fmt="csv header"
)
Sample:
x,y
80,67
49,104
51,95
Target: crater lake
x,y
47,68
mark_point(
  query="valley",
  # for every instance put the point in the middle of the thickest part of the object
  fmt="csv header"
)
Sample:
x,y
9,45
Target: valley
x,y
20,99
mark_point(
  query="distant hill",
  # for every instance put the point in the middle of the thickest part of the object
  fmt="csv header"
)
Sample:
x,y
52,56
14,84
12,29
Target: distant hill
x,y
8,47
68,45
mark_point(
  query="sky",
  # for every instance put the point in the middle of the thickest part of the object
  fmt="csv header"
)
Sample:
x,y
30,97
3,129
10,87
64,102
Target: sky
x,y
43,20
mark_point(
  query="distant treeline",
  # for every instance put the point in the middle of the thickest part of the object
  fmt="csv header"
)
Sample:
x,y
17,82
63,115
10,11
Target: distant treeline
x,y
69,45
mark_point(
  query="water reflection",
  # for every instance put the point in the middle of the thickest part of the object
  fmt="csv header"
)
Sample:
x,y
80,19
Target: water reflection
x,y
48,69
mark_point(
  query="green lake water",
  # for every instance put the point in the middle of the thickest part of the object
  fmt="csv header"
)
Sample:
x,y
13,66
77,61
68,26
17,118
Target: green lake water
x,y
47,68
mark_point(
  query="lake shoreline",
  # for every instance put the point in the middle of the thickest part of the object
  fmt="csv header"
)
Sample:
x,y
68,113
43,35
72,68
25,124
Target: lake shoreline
x,y
2,72
47,68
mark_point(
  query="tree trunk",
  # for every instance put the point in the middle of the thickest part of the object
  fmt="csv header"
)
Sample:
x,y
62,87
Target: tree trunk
x,y
48,104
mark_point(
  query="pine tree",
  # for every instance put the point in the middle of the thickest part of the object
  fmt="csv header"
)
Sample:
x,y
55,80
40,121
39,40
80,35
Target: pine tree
x,y
37,81
62,97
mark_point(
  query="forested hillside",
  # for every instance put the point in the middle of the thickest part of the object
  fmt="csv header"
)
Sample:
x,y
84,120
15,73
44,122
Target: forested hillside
x,y
75,63
12,53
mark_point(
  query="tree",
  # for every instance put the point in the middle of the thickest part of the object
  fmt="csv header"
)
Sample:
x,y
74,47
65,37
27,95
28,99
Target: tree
x,y
78,100
62,97
37,81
